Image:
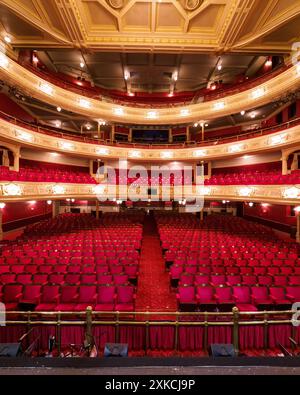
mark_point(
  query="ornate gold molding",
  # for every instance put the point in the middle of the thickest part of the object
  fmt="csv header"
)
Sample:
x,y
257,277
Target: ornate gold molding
x,y
25,137
277,194
14,74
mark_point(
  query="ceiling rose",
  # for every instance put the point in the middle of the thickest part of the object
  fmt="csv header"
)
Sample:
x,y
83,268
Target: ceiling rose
x,y
191,5
116,3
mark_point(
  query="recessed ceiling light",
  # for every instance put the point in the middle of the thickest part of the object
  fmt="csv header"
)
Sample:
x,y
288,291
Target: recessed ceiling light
x,y
219,67
58,109
195,124
206,125
243,112
253,115
7,39
82,65
118,111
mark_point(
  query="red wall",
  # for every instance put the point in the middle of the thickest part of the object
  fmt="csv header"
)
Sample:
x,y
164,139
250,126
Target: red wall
x,y
18,214
261,167
8,106
276,213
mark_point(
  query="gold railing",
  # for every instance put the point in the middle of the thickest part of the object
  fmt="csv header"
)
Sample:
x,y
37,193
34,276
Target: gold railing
x,y
90,319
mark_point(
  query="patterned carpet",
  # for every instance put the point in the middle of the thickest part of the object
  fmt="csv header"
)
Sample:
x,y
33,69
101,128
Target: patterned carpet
x,y
153,292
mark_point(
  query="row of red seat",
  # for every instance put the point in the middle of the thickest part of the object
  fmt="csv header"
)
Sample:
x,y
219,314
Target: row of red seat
x,y
186,278
64,278
38,174
245,298
72,249
68,297
214,262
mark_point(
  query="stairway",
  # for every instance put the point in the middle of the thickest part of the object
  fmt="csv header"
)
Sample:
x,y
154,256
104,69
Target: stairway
x,y
153,292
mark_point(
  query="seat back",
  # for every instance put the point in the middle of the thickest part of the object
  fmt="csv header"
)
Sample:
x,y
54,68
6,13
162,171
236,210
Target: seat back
x,y
49,292
125,294
10,292
68,293
242,294
87,293
106,294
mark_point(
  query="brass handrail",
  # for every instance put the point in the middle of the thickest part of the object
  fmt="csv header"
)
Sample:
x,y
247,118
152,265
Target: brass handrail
x,y
235,319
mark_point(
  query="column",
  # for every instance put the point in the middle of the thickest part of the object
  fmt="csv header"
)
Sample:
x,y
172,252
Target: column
x,y
170,136
97,209
298,227
1,229
16,161
188,137
201,215
91,167
112,135
202,131
130,135
294,165
284,164
209,170
55,208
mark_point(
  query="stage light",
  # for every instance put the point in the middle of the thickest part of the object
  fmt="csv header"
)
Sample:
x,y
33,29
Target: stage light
x,y
200,152
118,111
102,151
46,88
134,154
84,103
257,93
66,145
166,154
219,106
184,112
58,189
24,135
152,115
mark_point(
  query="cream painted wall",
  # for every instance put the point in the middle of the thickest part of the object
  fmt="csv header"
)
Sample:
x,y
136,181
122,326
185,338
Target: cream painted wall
x,y
53,157
248,160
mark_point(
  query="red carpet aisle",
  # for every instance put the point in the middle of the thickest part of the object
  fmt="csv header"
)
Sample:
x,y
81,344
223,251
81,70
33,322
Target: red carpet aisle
x,y
153,288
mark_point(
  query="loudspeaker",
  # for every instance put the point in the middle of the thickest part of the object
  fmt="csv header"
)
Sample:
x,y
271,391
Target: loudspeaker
x,y
10,349
116,350
222,350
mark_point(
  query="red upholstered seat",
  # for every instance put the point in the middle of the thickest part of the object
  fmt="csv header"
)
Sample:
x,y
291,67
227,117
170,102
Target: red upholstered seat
x,y
31,294
201,279
120,279
249,280
218,279
186,296
233,280
243,299
56,278
40,278
260,296
294,280
205,295
24,278
72,278
7,278
293,293
278,295
11,295
49,298
68,298
265,280
86,297
105,298
224,295
125,298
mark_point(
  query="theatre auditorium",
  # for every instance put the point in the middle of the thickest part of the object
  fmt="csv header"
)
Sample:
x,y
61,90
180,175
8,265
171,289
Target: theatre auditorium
x,y
150,184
